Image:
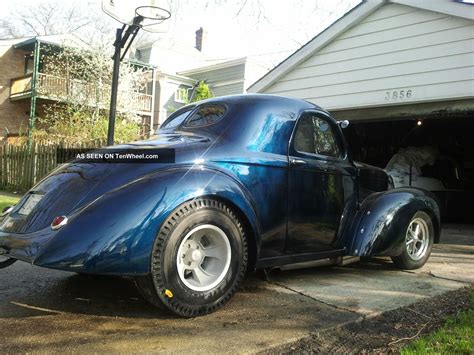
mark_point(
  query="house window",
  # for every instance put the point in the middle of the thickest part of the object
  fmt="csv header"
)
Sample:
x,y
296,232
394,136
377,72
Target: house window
x,y
146,88
29,64
149,88
181,95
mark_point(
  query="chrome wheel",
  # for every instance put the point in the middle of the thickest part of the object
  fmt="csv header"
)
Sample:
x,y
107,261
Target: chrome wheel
x,y
203,257
417,238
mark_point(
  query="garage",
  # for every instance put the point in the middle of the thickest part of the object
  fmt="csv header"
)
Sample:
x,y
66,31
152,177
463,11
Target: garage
x,y
432,151
402,72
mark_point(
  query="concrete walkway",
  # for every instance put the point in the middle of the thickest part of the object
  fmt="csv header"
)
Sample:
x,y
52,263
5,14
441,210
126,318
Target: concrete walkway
x,y
45,310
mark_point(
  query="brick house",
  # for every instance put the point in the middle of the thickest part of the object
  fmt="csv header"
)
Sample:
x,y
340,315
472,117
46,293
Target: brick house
x,y
26,86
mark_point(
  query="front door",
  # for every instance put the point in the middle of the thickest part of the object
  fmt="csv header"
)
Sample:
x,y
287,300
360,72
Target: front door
x,y
321,184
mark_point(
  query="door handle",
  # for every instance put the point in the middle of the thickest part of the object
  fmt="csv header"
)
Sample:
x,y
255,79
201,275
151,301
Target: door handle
x,y
297,162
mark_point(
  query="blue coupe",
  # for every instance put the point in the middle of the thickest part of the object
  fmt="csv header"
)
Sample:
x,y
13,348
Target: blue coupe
x,y
255,182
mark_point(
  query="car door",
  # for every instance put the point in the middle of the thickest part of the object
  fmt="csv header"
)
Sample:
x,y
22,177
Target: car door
x,y
321,183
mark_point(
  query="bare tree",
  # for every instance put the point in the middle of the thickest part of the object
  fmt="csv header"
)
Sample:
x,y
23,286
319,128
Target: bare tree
x,y
54,17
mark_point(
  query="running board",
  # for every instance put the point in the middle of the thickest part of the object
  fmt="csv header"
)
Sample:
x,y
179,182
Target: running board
x,y
340,261
309,264
299,258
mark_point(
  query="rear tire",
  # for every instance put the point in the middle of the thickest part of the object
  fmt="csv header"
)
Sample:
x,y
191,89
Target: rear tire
x,y
6,262
199,259
418,242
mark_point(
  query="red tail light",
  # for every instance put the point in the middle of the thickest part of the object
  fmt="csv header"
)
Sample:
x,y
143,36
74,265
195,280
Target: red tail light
x,y
58,222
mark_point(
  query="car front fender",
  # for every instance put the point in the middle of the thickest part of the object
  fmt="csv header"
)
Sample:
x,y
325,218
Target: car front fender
x,y
115,233
379,226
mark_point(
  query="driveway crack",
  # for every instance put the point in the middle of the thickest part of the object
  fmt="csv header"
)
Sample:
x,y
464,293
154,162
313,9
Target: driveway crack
x,y
447,278
430,273
312,298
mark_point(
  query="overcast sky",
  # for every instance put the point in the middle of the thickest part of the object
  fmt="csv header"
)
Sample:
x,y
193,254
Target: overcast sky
x,y
266,30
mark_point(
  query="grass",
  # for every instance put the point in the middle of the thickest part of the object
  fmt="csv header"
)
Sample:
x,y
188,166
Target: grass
x,y
456,336
7,199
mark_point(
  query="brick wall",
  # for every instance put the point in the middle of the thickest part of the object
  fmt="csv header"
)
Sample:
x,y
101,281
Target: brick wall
x,y
13,114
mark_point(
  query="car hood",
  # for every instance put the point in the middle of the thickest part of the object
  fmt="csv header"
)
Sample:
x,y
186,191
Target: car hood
x,y
75,184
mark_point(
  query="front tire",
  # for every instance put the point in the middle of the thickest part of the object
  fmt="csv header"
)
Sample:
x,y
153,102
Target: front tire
x,y
418,242
198,260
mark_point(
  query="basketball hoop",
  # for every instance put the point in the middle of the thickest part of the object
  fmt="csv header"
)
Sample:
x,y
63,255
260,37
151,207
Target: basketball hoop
x,y
151,16
133,14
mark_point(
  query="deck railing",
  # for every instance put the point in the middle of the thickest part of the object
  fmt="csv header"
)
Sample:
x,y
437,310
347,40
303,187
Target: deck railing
x,y
64,89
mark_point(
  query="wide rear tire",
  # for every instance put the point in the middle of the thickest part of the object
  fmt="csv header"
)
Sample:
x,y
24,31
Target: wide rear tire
x,y
418,242
199,259
6,262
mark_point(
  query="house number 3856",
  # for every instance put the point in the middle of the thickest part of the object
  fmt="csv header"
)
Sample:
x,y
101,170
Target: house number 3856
x,y
398,95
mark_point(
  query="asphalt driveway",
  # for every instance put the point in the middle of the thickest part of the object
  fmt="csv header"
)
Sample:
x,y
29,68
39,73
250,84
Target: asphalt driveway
x,y
45,310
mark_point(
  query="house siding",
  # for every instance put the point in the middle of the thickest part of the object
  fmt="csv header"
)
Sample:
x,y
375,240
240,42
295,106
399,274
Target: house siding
x,y
396,55
219,76
228,89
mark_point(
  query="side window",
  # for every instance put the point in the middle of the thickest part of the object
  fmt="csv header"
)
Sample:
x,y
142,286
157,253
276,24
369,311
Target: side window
x,y
206,115
316,136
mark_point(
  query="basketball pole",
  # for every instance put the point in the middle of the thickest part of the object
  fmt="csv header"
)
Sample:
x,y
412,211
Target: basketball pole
x,y
114,89
121,40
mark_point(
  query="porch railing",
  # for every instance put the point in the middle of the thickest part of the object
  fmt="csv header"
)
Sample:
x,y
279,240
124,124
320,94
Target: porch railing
x,y
64,89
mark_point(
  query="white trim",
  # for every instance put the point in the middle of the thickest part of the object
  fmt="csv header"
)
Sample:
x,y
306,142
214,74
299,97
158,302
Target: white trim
x,y
450,7
219,65
349,20
177,79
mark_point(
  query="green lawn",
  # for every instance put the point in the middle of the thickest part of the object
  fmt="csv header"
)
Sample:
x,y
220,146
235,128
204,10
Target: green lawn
x,y
456,336
7,199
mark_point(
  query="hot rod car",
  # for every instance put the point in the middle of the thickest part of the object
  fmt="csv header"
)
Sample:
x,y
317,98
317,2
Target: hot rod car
x,y
258,181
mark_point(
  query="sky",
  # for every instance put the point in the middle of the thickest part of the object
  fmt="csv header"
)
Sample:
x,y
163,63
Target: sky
x,y
265,30
272,31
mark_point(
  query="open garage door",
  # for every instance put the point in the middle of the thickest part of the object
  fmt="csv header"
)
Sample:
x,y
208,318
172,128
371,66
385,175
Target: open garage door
x,y
435,153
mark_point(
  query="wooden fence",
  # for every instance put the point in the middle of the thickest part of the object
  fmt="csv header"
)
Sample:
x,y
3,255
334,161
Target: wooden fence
x,y
22,167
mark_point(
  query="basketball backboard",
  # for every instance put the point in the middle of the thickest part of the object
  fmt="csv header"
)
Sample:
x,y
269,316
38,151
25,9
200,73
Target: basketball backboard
x,y
155,13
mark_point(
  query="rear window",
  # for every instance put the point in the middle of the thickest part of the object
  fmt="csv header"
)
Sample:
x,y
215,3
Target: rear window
x,y
175,120
206,115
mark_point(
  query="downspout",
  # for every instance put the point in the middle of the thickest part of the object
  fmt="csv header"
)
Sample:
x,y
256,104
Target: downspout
x,y
34,78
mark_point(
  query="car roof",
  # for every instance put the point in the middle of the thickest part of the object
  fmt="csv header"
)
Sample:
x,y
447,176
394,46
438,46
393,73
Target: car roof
x,y
263,99
252,122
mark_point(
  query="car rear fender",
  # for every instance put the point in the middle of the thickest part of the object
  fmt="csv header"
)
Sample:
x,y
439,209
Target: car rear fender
x,y
379,226
115,233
